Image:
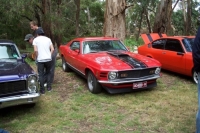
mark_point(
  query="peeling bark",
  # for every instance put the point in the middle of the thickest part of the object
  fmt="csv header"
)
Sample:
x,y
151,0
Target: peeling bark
x,y
114,19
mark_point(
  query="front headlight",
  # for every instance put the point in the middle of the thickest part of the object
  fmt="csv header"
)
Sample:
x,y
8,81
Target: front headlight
x,y
32,83
112,75
157,71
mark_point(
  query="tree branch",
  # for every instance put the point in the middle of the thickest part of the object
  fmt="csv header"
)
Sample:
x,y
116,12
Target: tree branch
x,y
175,5
151,10
26,17
127,6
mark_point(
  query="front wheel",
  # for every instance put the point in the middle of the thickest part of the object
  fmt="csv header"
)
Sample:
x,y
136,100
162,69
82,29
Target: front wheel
x,y
65,67
195,77
93,85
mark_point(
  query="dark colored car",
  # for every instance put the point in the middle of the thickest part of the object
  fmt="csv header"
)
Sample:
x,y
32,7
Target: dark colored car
x,y
106,63
18,81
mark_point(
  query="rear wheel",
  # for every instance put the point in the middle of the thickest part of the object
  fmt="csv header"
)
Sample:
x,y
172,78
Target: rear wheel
x,y
195,77
93,85
65,67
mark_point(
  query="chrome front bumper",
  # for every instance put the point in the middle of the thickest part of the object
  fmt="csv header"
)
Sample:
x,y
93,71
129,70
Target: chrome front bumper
x,y
19,99
129,80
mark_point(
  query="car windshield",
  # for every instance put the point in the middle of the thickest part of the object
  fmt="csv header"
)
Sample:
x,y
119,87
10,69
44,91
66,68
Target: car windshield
x,y
102,45
8,52
188,42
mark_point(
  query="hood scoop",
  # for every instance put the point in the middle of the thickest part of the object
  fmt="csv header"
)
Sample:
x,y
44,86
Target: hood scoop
x,y
134,63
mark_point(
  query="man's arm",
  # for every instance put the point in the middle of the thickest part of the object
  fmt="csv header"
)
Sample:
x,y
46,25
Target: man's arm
x,y
52,49
35,51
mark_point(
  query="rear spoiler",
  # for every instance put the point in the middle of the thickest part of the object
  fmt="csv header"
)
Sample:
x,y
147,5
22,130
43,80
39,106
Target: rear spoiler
x,y
148,38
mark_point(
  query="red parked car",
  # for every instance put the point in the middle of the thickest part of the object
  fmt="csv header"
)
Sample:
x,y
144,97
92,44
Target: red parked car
x,y
106,63
173,52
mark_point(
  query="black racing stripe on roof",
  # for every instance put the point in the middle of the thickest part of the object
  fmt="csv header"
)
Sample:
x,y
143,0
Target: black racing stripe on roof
x,y
149,37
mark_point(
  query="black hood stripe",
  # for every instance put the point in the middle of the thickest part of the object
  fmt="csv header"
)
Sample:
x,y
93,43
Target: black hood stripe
x,y
134,63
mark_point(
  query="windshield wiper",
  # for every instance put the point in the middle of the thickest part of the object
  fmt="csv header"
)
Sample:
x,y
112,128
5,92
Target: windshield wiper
x,y
93,51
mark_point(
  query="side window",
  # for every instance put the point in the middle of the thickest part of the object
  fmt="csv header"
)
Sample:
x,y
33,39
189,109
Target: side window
x,y
173,45
75,45
158,44
188,42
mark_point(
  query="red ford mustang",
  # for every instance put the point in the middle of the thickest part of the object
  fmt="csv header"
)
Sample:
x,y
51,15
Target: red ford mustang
x,y
173,52
106,63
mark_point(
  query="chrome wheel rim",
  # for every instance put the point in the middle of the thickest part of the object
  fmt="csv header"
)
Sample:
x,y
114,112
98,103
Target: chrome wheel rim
x,y
195,77
63,64
90,82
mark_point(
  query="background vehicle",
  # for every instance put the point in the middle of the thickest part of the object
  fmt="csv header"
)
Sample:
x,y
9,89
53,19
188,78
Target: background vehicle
x,y
18,81
173,52
106,62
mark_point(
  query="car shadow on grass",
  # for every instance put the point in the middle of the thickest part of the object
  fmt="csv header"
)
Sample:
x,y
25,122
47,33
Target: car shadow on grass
x,y
181,77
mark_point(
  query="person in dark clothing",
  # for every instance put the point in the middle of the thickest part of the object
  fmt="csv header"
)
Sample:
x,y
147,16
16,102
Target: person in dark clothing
x,y
34,26
196,61
43,48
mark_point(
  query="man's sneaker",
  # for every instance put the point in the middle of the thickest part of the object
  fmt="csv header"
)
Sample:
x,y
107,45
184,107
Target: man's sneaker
x,y
45,84
49,89
42,92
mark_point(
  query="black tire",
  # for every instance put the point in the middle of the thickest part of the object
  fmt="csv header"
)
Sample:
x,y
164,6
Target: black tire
x,y
93,85
65,67
195,77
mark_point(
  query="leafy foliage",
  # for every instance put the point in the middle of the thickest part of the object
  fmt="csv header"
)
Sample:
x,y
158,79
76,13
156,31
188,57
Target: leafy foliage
x,y
16,14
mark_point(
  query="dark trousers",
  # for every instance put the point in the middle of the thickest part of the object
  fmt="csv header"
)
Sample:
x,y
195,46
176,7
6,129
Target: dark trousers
x,y
53,64
44,68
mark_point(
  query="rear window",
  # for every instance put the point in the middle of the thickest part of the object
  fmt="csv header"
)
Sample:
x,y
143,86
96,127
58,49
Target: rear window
x,y
158,44
188,42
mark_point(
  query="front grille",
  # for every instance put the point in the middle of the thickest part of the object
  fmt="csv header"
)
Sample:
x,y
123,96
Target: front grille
x,y
13,87
136,73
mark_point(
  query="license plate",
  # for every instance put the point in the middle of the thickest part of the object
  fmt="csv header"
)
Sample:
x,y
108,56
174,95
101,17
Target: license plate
x,y
139,85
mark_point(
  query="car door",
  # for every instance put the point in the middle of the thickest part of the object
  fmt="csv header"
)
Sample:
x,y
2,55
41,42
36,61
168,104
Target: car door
x,y
73,53
157,49
174,56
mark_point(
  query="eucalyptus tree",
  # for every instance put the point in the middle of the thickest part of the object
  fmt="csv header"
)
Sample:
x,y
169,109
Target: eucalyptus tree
x,y
92,17
114,19
179,19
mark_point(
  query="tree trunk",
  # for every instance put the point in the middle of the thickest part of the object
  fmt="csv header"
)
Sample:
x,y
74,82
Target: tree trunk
x,y
163,17
114,19
46,25
140,23
147,18
77,2
188,22
184,16
58,37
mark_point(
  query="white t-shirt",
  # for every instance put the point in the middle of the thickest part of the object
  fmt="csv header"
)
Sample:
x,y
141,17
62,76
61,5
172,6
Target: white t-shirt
x,y
43,44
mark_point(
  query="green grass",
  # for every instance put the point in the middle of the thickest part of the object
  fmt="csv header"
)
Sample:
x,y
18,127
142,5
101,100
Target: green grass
x,y
71,108
131,43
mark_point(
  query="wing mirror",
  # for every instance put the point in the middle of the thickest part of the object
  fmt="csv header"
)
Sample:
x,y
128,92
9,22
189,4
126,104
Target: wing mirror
x,y
23,57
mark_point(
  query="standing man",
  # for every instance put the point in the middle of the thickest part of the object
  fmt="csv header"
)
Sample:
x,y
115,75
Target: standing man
x,y
34,26
43,49
29,38
196,61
